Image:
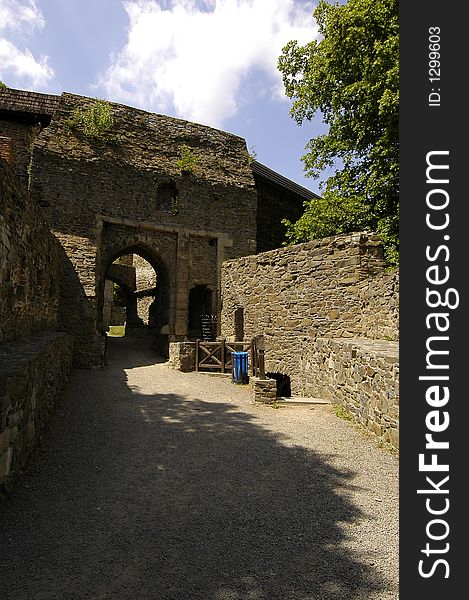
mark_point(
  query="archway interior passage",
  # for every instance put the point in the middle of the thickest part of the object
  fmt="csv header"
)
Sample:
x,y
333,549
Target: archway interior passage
x,y
130,291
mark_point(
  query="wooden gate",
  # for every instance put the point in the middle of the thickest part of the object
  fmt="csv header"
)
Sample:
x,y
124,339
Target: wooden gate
x,y
216,356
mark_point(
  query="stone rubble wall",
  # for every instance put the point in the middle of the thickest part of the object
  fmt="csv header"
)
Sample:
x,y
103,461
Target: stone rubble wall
x,y
75,179
297,296
22,137
33,372
29,263
146,280
103,197
363,376
35,359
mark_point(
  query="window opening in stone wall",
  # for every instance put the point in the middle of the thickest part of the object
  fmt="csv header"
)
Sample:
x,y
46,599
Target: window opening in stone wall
x,y
167,197
283,384
200,303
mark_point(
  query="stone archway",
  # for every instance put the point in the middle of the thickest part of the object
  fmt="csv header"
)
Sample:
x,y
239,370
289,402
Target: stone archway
x,y
160,324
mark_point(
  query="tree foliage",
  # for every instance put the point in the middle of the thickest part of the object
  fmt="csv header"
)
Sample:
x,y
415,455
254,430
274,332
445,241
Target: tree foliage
x,y
351,75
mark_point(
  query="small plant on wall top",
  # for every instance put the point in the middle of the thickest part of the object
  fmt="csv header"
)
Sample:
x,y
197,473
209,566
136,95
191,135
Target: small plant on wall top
x,y
94,121
252,154
3,85
187,161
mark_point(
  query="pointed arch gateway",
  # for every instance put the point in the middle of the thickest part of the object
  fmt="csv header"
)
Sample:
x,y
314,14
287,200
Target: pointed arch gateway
x,y
160,313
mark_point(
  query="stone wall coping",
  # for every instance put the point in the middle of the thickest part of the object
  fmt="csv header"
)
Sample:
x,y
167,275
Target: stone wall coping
x,y
152,118
349,239
21,351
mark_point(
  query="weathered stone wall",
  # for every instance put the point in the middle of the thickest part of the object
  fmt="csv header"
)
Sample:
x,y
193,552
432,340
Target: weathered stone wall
x,y
29,263
22,136
379,306
90,190
78,303
334,288
363,376
323,288
217,205
145,280
76,179
274,204
34,359
33,372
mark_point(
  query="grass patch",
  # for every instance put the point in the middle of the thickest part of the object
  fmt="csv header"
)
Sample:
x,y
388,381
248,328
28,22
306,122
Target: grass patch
x,y
116,331
341,412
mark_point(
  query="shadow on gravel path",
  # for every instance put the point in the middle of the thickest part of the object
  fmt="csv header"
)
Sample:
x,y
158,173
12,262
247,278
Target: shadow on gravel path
x,y
165,495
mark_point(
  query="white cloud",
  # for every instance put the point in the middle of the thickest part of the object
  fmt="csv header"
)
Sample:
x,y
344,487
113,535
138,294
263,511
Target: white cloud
x,y
195,56
20,18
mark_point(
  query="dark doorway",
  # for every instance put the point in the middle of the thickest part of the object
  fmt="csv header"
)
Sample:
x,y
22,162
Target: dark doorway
x,y
283,384
200,303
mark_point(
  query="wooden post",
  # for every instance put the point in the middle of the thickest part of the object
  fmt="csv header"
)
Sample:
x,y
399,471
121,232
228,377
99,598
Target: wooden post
x,y
222,353
261,364
196,355
261,357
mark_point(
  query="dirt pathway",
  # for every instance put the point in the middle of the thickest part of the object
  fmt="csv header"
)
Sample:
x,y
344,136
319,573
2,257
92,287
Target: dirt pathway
x,y
154,484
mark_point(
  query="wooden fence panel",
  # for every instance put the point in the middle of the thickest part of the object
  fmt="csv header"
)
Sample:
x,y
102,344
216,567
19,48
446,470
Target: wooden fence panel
x,y
216,356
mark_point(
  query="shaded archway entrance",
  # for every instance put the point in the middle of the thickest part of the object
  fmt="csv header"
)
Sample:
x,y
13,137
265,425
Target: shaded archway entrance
x,y
147,304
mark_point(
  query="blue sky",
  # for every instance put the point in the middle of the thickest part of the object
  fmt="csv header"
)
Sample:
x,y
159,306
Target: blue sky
x,y
208,61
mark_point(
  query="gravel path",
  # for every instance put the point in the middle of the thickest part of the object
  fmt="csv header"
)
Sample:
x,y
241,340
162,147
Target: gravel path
x,y
154,484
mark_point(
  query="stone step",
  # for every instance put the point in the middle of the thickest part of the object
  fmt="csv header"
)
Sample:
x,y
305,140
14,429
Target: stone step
x,y
301,401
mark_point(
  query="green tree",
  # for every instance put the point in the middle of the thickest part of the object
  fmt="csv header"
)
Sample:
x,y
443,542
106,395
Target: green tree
x,y
351,75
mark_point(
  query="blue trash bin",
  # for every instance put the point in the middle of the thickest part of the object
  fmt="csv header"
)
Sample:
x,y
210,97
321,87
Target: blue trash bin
x,y
240,367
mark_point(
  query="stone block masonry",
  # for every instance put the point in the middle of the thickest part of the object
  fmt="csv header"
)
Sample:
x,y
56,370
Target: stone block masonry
x,y
35,359
33,372
29,263
363,376
184,217
336,288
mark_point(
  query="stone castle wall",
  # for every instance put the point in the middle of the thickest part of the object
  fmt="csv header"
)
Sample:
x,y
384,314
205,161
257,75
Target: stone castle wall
x,y
363,376
308,300
29,263
146,280
22,136
105,198
274,204
184,219
35,359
